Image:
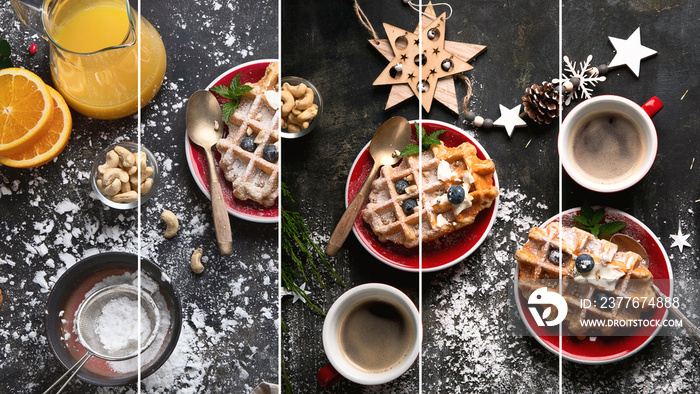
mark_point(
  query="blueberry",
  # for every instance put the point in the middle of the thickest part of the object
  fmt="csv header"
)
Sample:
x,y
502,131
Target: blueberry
x,y
270,153
584,263
603,300
401,186
455,194
408,206
248,143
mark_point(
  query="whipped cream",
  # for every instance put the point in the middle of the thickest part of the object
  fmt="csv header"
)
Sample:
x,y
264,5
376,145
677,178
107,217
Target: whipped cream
x,y
444,172
602,275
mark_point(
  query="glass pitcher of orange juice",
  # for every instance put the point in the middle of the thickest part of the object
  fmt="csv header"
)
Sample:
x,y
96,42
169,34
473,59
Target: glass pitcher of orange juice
x,y
94,53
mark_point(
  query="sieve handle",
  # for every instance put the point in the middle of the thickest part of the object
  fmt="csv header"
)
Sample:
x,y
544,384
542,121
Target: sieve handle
x,y
74,369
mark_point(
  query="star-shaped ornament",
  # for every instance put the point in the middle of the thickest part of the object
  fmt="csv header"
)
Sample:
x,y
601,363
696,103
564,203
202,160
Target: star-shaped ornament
x,y
406,63
630,52
296,297
510,119
680,240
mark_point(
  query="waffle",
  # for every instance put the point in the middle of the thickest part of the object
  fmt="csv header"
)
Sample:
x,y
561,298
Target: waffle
x,y
251,176
384,211
538,262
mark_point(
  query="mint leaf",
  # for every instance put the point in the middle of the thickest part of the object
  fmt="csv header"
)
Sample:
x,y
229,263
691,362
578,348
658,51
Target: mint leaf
x,y
228,109
409,150
583,220
612,227
233,92
5,51
432,139
598,216
591,219
221,90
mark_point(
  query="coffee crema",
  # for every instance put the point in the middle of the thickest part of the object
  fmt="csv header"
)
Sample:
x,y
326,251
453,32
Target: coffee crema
x,y
607,146
375,335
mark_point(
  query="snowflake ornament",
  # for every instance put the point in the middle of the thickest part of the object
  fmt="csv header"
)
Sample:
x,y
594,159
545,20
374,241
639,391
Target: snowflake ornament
x,y
586,75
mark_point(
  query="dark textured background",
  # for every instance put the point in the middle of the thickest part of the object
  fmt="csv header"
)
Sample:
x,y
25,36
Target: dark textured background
x,y
230,311
470,341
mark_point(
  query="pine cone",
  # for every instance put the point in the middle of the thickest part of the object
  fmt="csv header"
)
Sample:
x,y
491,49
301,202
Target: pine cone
x,y
541,103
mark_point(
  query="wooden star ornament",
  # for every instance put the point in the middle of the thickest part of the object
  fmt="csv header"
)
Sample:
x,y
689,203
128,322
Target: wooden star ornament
x,y
438,62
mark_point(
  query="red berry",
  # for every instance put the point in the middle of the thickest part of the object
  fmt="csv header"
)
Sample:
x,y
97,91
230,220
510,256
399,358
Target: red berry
x,y
32,49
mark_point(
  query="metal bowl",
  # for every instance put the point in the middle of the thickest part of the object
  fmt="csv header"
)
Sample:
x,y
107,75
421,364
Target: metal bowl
x,y
82,274
294,81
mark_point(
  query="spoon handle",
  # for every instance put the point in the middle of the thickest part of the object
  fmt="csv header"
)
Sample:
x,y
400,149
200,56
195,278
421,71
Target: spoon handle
x,y
692,330
342,229
222,225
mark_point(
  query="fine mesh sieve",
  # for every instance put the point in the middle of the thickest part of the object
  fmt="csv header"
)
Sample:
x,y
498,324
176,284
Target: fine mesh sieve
x,y
87,325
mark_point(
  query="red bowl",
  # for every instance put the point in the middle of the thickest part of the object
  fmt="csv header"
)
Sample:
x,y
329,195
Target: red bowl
x,y
439,254
197,160
609,349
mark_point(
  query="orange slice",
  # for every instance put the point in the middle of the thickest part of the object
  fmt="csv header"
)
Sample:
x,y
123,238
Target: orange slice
x,y
25,107
51,141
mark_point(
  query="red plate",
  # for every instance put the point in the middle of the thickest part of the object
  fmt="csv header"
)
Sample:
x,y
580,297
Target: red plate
x,y
197,160
614,348
437,255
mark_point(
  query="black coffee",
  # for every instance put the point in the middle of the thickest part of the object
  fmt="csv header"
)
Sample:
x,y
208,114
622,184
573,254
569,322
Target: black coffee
x,y
375,335
607,146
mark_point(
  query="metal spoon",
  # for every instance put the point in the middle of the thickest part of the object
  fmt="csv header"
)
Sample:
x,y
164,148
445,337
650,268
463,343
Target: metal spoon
x,y
628,244
393,135
205,128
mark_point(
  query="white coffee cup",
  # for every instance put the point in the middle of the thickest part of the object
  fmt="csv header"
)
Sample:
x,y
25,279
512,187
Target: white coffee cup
x,y
638,115
340,366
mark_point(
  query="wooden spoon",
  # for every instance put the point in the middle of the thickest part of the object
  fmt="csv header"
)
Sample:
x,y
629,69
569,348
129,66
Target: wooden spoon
x,y
205,127
628,244
393,135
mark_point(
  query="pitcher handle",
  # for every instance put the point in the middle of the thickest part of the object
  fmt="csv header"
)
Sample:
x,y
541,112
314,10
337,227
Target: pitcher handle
x,y
29,12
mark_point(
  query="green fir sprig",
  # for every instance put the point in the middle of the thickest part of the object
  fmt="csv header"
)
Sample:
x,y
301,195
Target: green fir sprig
x,y
300,253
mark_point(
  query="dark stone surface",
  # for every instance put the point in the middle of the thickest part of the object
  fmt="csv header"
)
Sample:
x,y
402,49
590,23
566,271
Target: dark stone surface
x,y
471,340
229,341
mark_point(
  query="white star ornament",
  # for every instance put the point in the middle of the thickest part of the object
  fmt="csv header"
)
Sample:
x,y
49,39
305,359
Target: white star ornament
x,y
680,240
630,52
510,119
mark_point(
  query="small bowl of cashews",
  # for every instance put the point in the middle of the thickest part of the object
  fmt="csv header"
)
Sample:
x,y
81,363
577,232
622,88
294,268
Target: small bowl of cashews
x,y
301,107
121,171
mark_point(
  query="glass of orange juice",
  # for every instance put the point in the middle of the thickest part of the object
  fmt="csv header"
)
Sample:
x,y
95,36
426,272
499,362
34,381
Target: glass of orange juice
x,y
94,55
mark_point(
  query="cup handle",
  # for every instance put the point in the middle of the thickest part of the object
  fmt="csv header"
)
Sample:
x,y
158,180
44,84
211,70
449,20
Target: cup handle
x,y
653,106
328,376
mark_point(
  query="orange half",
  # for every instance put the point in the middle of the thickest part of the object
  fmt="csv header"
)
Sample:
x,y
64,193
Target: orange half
x,y
25,107
51,141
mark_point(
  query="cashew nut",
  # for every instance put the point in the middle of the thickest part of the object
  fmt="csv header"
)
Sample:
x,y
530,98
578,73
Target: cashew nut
x,y
292,128
125,198
114,173
196,261
111,189
308,113
127,158
287,102
296,91
112,161
171,223
146,186
306,101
